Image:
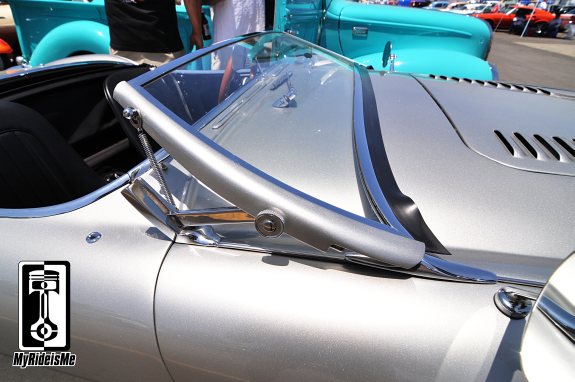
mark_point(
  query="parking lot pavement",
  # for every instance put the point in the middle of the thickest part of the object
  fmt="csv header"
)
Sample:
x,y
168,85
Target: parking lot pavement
x,y
533,60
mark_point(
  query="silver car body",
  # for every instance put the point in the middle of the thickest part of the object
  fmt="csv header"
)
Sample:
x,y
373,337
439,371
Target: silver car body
x,y
157,300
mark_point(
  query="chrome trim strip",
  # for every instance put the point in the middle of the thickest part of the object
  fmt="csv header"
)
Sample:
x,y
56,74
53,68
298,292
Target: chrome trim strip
x,y
370,183
561,318
83,201
510,280
332,256
359,31
432,267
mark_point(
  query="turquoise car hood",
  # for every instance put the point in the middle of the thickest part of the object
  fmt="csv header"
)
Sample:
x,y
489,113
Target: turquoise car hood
x,y
432,61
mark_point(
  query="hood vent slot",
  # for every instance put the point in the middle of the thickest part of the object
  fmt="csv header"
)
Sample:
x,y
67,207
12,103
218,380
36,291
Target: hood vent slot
x,y
548,146
528,148
538,147
505,142
495,84
566,145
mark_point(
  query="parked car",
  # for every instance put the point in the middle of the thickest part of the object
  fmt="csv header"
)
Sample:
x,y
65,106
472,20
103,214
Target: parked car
x,y
469,9
414,3
560,8
455,5
300,222
6,55
381,2
422,42
538,18
7,27
436,5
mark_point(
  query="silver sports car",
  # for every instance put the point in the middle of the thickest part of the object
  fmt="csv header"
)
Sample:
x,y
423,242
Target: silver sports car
x,y
266,210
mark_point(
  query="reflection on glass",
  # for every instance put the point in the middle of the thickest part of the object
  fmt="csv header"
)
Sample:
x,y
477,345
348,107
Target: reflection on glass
x,y
280,104
197,87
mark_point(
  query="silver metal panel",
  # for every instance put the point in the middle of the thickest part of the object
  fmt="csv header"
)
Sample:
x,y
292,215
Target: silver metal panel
x,y
515,223
529,123
111,290
225,315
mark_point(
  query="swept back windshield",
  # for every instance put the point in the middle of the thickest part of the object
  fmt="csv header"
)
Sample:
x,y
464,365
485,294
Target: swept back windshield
x,y
269,61
280,104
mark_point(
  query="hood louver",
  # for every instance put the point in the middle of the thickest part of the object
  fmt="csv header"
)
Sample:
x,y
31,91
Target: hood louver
x,y
538,147
496,84
523,127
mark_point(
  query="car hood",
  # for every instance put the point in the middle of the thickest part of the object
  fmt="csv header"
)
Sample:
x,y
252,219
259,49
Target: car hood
x,y
489,165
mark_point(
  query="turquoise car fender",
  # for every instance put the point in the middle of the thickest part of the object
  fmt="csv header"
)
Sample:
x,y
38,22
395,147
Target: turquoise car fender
x,y
433,61
76,37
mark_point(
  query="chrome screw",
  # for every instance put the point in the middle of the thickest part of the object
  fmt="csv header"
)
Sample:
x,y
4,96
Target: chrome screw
x,y
93,237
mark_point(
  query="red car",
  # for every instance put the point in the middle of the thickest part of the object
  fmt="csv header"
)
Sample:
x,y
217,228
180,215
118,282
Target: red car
x,y
503,21
6,55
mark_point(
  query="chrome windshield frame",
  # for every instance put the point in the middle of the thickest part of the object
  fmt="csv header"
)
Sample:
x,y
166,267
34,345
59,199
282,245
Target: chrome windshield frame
x,y
306,218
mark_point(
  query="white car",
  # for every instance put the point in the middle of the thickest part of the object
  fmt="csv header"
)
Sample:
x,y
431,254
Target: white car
x,y
469,9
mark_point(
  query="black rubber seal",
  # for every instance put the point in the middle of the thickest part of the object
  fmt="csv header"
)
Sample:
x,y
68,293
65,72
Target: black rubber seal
x,y
403,207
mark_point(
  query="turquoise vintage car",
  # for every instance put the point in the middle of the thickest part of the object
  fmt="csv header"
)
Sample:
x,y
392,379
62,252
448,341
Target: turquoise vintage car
x,y
421,41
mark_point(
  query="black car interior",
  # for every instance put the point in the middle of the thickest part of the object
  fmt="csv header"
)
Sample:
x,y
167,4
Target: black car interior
x,y
62,135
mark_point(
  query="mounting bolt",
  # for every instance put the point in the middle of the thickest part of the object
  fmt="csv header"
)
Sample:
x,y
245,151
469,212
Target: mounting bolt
x,y
270,223
133,115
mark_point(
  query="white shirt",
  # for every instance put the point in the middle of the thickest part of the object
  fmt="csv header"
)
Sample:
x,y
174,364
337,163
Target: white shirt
x,y
237,17
233,18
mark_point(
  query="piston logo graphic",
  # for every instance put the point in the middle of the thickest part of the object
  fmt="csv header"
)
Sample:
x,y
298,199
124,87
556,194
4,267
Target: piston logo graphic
x,y
44,292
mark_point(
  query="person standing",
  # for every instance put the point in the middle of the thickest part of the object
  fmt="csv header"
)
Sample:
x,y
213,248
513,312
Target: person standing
x,y
146,31
231,18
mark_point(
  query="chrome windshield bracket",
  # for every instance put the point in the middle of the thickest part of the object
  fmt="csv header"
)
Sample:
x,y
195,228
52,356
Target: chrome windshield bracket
x,y
432,267
213,216
195,224
204,236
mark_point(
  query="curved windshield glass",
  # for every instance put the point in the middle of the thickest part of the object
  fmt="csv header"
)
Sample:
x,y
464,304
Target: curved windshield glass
x,y
280,104
267,123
